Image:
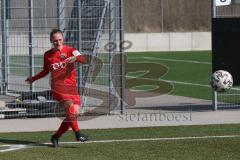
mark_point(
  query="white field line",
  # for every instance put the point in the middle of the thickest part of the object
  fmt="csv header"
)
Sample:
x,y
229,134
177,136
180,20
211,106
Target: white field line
x,y
196,84
187,83
14,147
173,60
177,60
22,146
170,81
23,65
179,82
151,139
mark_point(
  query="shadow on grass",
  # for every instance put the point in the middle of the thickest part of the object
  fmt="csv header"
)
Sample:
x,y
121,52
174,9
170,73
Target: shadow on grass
x,y
190,107
186,107
22,142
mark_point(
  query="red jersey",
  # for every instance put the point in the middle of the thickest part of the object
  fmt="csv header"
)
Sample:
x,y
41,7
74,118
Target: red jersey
x,y
63,74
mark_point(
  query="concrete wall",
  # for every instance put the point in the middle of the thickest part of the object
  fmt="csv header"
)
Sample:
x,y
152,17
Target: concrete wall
x,y
176,41
18,44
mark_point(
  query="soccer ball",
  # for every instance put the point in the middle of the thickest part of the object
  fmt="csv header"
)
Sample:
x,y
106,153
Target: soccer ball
x,y
221,81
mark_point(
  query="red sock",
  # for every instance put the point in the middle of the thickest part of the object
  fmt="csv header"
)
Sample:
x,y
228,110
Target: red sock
x,y
74,126
72,116
63,128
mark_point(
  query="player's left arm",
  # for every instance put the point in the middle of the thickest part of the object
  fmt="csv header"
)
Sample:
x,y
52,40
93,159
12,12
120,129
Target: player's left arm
x,y
77,57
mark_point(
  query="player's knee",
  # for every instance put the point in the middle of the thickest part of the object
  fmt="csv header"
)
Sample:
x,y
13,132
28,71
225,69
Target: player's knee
x,y
66,103
72,110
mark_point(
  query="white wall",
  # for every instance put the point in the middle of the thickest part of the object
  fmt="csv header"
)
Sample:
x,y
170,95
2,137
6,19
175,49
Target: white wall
x,y
175,41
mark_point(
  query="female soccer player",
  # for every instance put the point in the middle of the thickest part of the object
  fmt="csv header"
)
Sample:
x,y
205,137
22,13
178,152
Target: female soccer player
x,y
60,62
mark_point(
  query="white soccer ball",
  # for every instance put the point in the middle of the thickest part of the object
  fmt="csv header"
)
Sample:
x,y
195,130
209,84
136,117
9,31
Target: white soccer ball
x,y
221,81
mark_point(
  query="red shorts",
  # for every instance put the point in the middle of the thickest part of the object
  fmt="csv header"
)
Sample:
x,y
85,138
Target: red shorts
x,y
66,92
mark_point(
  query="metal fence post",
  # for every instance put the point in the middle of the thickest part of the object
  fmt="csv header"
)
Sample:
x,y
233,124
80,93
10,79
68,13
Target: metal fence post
x,y
30,41
79,44
214,99
4,48
112,40
122,67
214,9
162,15
61,15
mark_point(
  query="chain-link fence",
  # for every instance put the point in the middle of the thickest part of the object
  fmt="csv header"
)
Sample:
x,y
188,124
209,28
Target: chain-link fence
x,y
88,25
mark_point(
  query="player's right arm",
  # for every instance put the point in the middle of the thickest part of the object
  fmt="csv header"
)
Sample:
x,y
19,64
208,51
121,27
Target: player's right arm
x,y
42,73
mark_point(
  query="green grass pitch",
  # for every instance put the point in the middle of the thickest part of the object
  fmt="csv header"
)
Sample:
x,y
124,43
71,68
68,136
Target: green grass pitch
x,y
194,147
187,71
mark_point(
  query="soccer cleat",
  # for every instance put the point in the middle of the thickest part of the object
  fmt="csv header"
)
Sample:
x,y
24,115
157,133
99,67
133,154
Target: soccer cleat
x,y
54,141
81,137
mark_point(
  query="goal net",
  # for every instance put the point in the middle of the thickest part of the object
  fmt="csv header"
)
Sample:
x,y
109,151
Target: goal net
x,y
88,25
